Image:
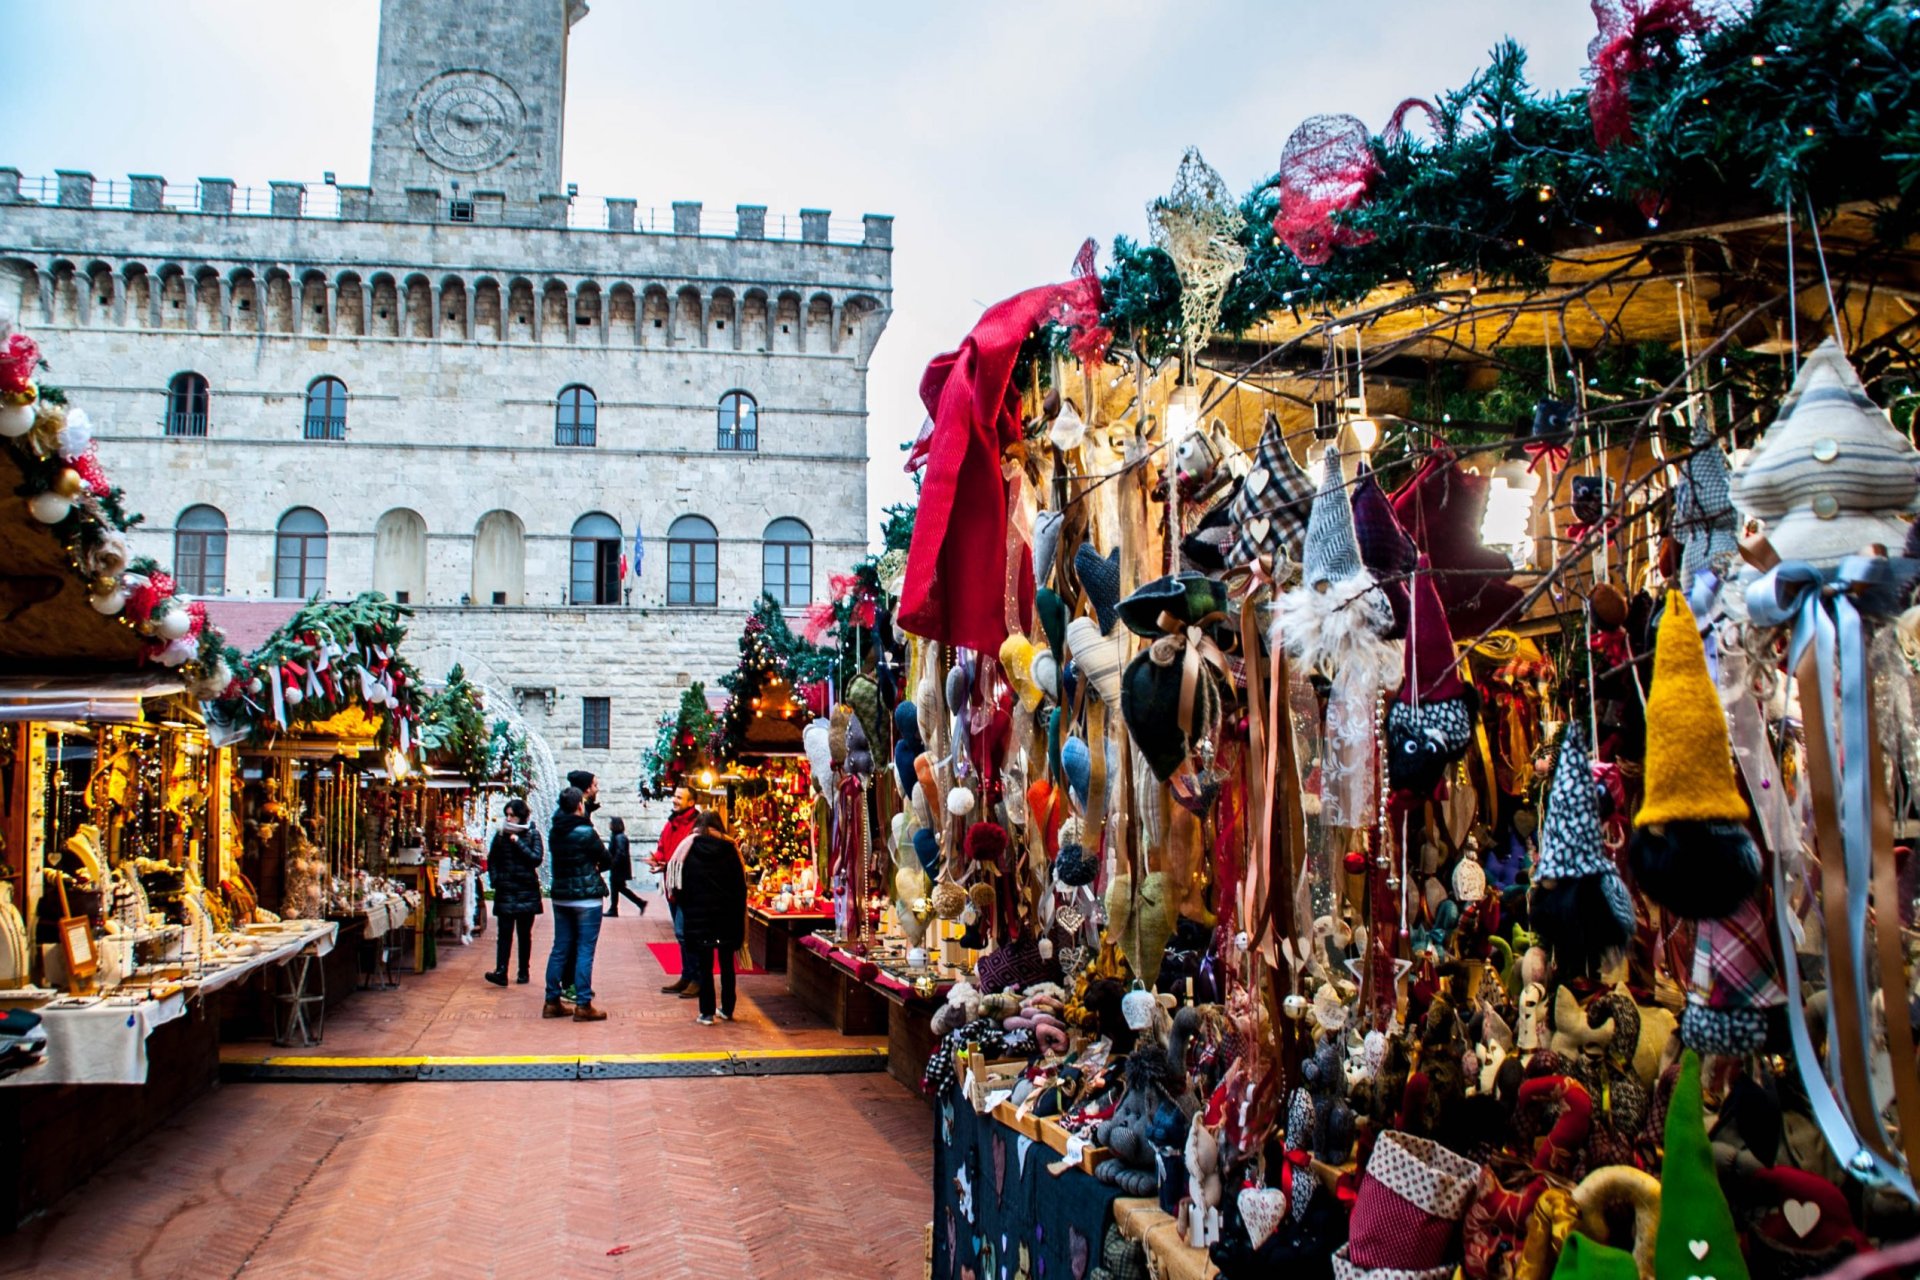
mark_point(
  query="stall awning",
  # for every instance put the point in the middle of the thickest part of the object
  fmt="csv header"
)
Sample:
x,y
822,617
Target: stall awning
x,y
110,698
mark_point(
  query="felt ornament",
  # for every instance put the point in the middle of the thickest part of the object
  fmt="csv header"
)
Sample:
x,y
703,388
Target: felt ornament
x,y
1583,1258
1046,674
1068,429
1052,612
1154,687
926,847
1140,924
1442,509
837,733
1016,659
1046,542
863,696
1099,657
1261,1209
907,746
1831,475
1690,850
859,750
960,801
1734,983
1800,1222
1337,615
1190,599
1430,724
816,739
1697,1235
948,900
1385,549
1270,510
1100,582
1075,865
1703,515
1581,908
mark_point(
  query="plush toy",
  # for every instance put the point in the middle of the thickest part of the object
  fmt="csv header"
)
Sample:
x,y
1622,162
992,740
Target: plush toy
x,y
1530,1032
1572,1038
1204,1189
1325,1078
1134,1165
962,1007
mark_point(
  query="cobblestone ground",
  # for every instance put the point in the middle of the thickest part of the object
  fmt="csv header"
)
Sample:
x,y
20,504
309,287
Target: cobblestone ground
x,y
789,1176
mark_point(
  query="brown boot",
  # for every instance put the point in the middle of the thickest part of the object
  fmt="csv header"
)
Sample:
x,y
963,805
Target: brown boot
x,y
556,1009
587,1013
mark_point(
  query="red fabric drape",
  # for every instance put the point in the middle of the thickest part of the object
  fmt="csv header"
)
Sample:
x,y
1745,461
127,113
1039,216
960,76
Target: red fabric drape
x,y
957,564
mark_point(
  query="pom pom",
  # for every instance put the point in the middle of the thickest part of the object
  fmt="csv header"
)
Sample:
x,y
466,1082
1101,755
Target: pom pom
x,y
1075,866
987,842
1580,920
960,802
1697,870
76,436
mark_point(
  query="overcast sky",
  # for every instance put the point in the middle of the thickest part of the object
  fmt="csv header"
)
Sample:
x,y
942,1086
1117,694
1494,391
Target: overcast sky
x,y
998,134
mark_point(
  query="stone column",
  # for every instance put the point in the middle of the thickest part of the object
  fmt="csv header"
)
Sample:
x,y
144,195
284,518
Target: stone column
x,y
813,225
753,222
149,191
289,199
620,213
216,195
9,185
76,188
686,217
879,230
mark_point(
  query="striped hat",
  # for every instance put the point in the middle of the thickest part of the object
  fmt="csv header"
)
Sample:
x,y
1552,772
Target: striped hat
x,y
1831,474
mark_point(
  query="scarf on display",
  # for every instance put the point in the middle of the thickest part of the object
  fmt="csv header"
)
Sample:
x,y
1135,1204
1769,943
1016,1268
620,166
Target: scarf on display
x,y
1827,611
957,570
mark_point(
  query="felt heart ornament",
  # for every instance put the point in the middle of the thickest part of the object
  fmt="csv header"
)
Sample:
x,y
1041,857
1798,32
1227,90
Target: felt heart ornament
x,y
1802,1216
1140,923
1258,527
1119,903
1261,1209
1257,481
1698,1248
816,738
1045,673
1099,657
1016,657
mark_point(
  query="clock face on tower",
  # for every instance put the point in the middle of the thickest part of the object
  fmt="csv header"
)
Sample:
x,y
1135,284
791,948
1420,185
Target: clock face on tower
x,y
467,120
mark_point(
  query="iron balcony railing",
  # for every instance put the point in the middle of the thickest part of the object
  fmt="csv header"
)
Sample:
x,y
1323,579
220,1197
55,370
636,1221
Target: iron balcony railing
x,y
323,428
739,441
186,424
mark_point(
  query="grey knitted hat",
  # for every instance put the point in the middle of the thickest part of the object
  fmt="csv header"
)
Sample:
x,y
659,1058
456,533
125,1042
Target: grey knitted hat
x,y
1332,546
1703,516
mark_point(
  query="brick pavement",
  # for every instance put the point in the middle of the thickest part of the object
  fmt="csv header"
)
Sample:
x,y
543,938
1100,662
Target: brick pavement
x,y
702,1179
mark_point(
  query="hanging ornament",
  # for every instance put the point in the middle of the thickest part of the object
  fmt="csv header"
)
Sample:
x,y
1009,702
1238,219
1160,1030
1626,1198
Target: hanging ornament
x,y
1198,225
16,419
49,507
174,624
109,602
1328,169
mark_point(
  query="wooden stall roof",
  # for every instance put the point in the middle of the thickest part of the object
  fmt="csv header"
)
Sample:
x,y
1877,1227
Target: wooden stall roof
x,y
46,623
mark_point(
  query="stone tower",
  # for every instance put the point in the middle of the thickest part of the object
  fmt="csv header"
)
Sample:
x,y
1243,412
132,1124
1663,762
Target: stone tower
x,y
469,100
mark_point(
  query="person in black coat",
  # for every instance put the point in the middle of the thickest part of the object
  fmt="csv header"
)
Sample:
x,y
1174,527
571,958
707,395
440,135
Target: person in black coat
x,y
622,872
713,903
513,865
579,888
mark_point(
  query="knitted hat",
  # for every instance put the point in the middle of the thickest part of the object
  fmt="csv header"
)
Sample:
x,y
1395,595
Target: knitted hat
x,y
1831,474
1581,908
1270,510
1385,548
1584,1259
1703,515
1696,1235
1734,983
1099,657
1046,542
1332,550
1441,509
1700,862
1100,580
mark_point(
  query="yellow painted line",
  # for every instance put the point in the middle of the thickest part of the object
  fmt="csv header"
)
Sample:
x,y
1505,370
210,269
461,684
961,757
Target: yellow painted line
x,y
505,1060
852,1050
701,1056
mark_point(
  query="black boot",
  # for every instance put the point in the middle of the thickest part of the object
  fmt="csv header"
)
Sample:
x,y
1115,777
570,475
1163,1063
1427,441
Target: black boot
x,y
522,979
498,977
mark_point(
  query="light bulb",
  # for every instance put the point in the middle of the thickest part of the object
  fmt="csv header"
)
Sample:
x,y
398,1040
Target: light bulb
x,y
1518,475
1509,512
1366,433
1183,413
1316,463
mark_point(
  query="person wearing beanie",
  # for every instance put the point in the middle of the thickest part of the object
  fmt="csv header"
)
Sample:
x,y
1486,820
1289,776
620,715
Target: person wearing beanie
x,y
1581,908
1430,724
1696,1236
1690,850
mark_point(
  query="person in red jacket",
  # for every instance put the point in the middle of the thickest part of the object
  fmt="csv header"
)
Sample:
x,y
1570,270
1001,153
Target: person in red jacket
x,y
679,828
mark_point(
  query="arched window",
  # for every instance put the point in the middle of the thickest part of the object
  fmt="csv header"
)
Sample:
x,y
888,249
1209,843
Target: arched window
x,y
693,562
200,551
187,397
739,422
786,563
596,560
400,556
300,555
326,409
499,559
575,417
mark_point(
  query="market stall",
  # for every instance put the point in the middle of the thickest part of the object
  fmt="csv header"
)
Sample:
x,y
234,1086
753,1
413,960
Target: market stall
x,y
118,925
1405,685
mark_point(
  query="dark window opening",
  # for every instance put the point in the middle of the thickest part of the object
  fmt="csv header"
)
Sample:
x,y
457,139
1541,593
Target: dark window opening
x,y
187,402
402,597
460,211
596,723
499,597
595,576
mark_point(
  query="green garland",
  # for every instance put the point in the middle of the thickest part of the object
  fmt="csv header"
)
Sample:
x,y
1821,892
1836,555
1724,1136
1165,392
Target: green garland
x,y
454,730
682,739
1819,96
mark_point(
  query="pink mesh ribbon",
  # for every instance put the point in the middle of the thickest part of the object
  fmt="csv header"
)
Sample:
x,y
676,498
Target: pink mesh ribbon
x,y
1631,33
1327,168
1080,305
18,359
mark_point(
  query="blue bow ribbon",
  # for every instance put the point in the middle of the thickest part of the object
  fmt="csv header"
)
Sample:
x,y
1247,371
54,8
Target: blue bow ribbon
x,y
1826,608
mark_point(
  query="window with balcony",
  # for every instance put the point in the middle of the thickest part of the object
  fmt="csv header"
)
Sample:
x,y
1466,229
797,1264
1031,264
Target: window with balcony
x,y
187,397
326,410
739,422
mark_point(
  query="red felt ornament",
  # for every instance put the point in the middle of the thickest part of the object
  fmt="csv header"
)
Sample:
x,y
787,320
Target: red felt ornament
x,y
1632,33
19,357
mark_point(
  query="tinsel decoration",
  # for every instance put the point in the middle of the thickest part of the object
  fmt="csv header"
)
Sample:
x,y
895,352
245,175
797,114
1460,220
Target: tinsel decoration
x,y
1198,226
1327,169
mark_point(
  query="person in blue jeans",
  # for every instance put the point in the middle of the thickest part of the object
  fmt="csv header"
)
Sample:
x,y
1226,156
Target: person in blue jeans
x,y
578,859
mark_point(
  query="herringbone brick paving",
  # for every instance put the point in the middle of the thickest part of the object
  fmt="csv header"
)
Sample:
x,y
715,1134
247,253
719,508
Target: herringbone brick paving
x,y
699,1179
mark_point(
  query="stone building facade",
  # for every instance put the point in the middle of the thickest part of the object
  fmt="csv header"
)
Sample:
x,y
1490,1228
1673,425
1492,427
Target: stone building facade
x,y
461,386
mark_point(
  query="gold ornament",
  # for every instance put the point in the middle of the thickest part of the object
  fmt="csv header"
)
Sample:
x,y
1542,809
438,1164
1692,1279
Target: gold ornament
x,y
67,483
103,585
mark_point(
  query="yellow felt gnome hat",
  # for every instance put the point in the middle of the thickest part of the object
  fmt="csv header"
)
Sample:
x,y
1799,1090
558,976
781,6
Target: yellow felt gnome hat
x,y
1689,757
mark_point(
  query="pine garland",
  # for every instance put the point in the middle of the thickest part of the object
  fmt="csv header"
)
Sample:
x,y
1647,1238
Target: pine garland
x,y
1800,96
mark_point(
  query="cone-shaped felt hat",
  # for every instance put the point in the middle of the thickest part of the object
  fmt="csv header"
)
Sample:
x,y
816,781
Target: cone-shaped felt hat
x,y
1433,669
1689,756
